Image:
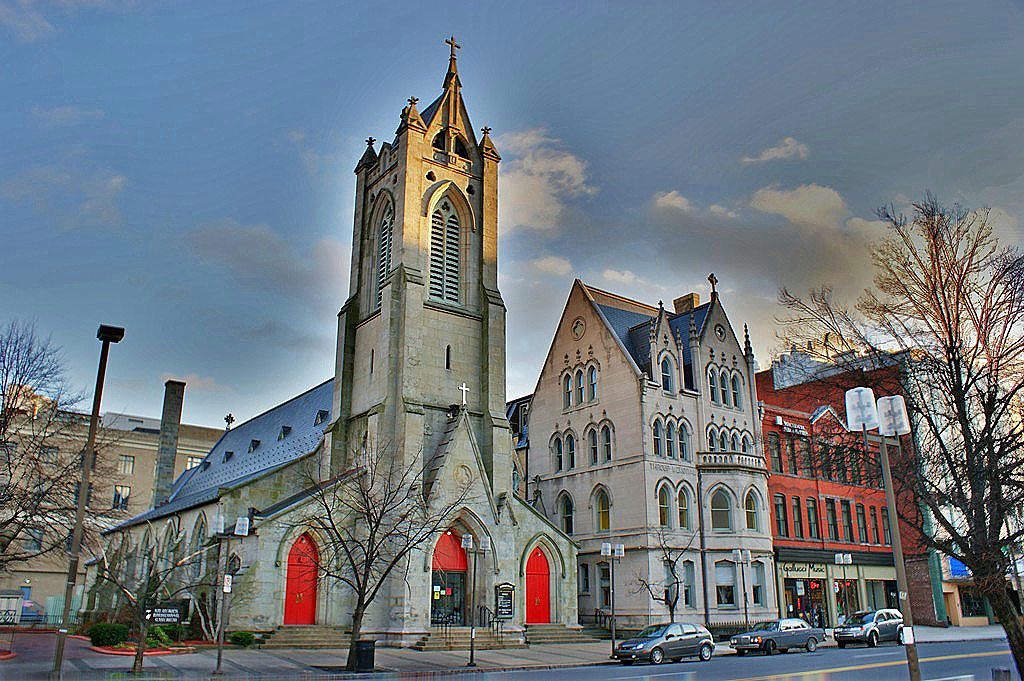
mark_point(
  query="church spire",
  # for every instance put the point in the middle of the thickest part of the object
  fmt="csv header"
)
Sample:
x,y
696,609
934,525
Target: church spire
x,y
453,69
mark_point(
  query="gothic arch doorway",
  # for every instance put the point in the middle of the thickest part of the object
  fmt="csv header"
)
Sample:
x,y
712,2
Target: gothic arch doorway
x,y
538,588
448,581
300,585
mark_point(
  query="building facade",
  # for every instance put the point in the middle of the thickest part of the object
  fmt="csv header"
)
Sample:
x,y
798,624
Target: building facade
x,y
643,430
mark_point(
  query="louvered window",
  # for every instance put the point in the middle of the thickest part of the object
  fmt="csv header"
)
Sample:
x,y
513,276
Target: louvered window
x,y
384,249
444,254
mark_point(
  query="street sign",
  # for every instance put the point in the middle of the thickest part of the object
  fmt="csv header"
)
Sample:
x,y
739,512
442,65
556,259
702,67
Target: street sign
x,y
242,526
467,541
606,548
504,601
227,584
620,551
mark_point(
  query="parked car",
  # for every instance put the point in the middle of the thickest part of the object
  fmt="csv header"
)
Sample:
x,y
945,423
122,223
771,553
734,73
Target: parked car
x,y
778,635
659,642
870,627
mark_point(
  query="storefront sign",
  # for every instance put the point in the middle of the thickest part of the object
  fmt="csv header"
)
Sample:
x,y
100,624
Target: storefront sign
x,y
797,570
164,614
504,601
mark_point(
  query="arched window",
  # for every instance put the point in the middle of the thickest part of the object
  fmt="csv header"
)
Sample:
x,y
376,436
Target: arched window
x,y
570,449
735,443
444,253
566,392
723,381
684,442
722,446
460,148
670,439
387,220
438,142
448,358
606,442
566,511
712,439
558,453
657,438
713,385
592,375
602,506
664,510
747,444
579,387
198,541
750,506
683,499
592,443
736,401
667,384
721,513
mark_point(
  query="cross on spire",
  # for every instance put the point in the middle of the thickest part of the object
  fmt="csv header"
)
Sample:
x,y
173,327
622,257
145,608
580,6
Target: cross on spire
x,y
714,280
229,419
412,101
486,130
454,45
465,391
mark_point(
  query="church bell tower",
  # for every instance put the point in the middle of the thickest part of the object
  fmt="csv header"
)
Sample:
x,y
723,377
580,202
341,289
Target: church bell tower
x,y
421,338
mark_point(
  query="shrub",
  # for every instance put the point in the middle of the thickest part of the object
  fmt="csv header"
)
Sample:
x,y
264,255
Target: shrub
x,y
108,634
174,631
242,638
156,637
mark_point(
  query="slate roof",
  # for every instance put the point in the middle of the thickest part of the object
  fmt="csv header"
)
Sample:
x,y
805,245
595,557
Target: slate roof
x,y
231,463
428,114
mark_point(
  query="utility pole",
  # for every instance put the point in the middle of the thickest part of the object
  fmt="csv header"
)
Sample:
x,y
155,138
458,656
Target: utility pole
x,y
107,335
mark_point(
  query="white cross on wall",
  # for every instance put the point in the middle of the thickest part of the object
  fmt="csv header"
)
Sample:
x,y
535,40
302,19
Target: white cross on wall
x,y
465,391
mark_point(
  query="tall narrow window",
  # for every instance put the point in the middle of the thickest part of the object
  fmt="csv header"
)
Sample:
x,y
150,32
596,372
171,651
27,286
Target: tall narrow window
x,y
735,443
384,238
670,440
444,253
603,507
606,442
886,532
874,525
371,360
830,517
579,387
570,450
747,445
844,507
558,453
592,382
683,499
775,452
712,440
663,507
757,582
812,518
862,524
794,463
723,381
736,400
722,442
725,582
798,519
750,506
713,385
667,384
566,392
448,358
567,514
684,442
804,447
592,442
658,451
781,520
688,583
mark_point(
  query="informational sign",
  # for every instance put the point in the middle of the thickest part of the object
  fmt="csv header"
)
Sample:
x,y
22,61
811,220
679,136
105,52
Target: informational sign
x,y
227,584
504,601
164,614
242,526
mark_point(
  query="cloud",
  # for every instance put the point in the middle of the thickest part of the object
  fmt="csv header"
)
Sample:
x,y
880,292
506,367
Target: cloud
x,y
259,259
30,20
672,200
788,148
808,204
71,196
538,179
552,264
196,382
721,211
287,336
296,136
65,115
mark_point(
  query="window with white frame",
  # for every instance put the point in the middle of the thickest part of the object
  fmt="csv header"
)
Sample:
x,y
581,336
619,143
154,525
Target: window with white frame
x,y
721,510
658,451
606,442
683,501
670,439
579,387
684,441
667,384
557,447
664,507
750,506
592,384
688,578
592,445
737,401
757,585
567,392
725,583
713,384
723,383
193,461
126,464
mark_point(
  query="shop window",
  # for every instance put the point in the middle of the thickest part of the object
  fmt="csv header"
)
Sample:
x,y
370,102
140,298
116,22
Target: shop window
x,y
971,604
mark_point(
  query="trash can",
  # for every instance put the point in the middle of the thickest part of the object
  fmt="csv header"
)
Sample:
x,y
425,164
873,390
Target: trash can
x,y
364,655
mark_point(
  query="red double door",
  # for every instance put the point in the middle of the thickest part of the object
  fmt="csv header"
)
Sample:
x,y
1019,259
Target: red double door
x,y
300,586
538,588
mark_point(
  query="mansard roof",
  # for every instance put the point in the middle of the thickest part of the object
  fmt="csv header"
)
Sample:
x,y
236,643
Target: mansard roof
x,y
631,321
264,443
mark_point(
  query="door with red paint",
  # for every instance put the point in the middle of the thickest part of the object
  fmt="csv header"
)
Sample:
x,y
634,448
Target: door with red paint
x,y
538,588
300,587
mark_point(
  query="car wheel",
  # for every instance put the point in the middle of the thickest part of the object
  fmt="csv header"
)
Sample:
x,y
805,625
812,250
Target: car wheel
x,y
872,639
841,644
705,652
783,650
769,647
741,653
657,656
812,644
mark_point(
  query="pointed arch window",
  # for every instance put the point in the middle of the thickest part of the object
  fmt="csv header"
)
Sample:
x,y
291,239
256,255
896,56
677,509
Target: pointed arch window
x,y
567,512
438,142
736,399
713,385
592,443
198,541
723,382
684,442
566,392
747,444
722,442
670,439
602,506
667,384
444,253
712,440
658,451
592,382
606,442
721,513
735,442
558,453
750,506
684,509
384,238
570,450
460,147
664,512
579,387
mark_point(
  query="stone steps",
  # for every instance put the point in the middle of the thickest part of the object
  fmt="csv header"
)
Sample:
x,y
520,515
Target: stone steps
x,y
307,636
537,634
457,638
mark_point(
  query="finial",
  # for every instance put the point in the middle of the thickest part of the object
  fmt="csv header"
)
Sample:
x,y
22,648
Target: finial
x,y
486,130
229,419
748,349
370,141
454,45
412,101
714,280
661,305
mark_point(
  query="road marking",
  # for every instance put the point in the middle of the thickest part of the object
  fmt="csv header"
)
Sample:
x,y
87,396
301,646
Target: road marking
x,y
891,652
873,665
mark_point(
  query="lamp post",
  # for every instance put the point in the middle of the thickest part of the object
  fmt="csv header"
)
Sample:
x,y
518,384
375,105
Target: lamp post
x,y
485,545
107,335
742,558
863,412
614,552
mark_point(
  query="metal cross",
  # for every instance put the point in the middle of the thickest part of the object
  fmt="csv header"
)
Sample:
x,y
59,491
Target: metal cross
x,y
370,141
454,45
714,280
465,391
486,130
412,101
229,419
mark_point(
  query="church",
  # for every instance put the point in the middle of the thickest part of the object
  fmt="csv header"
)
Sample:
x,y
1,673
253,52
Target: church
x,y
420,365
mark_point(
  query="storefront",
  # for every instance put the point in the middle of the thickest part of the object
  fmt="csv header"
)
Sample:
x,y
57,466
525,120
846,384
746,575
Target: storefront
x,y
824,593
804,586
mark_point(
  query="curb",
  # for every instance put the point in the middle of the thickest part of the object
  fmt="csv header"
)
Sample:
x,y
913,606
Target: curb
x,y
148,653
7,654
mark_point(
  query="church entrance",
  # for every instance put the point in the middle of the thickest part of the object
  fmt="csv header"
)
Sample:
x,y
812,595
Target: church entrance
x,y
300,584
448,581
538,588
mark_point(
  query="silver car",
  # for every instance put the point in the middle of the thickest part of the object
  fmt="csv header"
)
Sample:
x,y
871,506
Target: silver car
x,y
870,627
659,642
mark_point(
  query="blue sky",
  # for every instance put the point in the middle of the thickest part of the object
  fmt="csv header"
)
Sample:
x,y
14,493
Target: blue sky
x,y
185,169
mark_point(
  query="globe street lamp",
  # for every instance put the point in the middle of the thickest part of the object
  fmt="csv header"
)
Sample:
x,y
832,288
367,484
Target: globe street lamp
x,y
485,545
614,552
862,412
107,335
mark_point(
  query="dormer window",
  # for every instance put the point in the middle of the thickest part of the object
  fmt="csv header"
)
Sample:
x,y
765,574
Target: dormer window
x,y
284,432
321,416
227,456
205,465
253,444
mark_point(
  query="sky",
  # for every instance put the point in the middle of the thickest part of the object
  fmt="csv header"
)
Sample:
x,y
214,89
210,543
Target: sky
x,y
184,169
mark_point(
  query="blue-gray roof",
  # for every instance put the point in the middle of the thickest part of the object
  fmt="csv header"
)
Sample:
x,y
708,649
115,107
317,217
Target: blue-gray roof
x,y
276,437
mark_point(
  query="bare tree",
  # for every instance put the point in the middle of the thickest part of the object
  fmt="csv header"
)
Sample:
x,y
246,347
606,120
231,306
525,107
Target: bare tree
x,y
666,591
372,518
947,309
41,449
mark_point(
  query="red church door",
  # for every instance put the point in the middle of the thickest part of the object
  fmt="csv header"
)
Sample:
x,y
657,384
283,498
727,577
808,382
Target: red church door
x,y
538,588
300,587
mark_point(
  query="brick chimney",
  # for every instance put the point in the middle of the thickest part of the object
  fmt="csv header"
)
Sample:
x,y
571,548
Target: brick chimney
x,y
686,303
170,420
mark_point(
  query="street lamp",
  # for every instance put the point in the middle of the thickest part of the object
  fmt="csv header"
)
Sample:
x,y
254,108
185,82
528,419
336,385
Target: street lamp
x,y
743,559
862,412
614,552
485,545
107,335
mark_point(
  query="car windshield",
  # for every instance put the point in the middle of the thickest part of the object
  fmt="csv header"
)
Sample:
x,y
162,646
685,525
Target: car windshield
x,y
652,631
771,626
863,617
